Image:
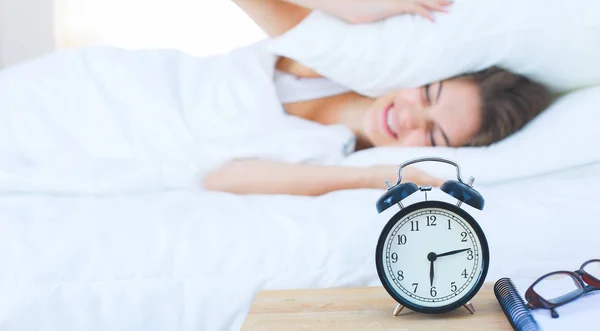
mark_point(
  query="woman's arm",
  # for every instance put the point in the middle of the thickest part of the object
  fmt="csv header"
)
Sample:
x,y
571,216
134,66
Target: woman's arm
x,y
274,17
266,177
365,11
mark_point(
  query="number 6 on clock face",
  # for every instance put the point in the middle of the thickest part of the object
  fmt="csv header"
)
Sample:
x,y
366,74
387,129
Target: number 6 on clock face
x,y
432,257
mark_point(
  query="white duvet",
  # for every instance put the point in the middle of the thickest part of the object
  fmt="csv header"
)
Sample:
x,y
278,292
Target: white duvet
x,y
195,261
108,232
103,119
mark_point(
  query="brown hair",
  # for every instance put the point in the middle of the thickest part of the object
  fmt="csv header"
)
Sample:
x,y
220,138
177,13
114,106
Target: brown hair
x,y
509,102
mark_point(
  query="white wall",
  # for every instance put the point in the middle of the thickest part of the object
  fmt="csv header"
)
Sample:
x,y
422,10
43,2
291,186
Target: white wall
x,y
200,27
29,28
26,30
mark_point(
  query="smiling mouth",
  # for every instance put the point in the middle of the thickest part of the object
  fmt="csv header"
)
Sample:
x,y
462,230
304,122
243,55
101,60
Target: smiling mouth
x,y
388,119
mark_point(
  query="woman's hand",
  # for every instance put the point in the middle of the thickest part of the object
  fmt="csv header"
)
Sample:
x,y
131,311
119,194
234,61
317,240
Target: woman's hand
x,y
377,175
366,11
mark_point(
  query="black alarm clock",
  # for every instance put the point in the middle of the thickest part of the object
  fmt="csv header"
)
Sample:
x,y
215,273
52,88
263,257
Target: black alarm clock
x,y
432,256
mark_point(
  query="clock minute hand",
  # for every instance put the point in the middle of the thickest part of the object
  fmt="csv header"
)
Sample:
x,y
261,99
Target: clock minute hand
x,y
453,252
431,273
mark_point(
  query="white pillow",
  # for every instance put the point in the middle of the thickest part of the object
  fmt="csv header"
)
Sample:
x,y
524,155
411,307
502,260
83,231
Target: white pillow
x,y
556,42
562,137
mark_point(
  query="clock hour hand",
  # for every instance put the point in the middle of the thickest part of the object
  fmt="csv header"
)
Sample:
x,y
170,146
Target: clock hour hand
x,y
453,252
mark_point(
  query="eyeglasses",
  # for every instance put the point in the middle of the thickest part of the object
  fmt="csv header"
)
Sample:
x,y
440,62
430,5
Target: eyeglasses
x,y
556,288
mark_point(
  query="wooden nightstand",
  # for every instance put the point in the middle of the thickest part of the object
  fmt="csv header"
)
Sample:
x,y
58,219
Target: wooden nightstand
x,y
365,308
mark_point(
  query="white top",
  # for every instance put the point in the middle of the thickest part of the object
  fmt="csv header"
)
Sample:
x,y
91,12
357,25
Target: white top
x,y
291,88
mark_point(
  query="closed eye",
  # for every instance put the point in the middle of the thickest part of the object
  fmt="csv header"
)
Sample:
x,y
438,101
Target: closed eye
x,y
428,101
434,125
428,94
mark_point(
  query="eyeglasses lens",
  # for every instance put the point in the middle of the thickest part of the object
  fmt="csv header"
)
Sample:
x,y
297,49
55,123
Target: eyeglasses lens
x,y
593,268
558,287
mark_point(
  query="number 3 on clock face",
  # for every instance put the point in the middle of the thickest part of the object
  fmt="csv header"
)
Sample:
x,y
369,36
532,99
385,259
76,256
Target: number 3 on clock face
x,y
432,257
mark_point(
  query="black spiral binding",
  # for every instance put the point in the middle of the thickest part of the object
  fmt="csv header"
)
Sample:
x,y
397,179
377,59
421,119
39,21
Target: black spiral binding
x,y
514,307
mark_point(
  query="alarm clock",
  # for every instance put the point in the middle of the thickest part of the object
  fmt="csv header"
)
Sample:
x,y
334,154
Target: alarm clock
x,y
432,256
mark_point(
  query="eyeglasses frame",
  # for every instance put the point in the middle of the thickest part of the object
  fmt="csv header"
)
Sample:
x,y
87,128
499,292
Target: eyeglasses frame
x,y
585,282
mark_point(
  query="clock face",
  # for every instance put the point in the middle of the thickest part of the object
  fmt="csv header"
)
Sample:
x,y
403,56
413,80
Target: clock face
x,y
432,257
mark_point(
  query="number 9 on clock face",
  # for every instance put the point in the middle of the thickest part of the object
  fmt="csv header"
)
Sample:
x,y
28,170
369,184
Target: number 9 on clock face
x,y
432,257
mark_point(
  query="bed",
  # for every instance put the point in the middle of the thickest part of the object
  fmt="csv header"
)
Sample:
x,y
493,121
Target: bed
x,y
118,242
186,260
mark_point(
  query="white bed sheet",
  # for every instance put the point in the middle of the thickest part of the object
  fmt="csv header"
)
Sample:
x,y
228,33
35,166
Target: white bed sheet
x,y
194,261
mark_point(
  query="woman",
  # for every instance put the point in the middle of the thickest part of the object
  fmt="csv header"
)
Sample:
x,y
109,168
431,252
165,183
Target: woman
x,y
105,119
472,110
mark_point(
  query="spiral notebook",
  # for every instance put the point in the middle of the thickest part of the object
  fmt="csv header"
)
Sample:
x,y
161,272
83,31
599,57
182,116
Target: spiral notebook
x,y
582,314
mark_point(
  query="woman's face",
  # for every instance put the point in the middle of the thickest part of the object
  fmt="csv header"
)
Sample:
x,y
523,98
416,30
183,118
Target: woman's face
x,y
440,114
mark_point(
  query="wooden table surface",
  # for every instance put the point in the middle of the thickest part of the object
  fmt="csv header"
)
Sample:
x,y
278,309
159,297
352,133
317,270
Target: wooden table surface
x,y
364,308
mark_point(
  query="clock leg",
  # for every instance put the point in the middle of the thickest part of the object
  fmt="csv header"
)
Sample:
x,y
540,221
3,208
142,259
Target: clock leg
x,y
468,306
398,309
